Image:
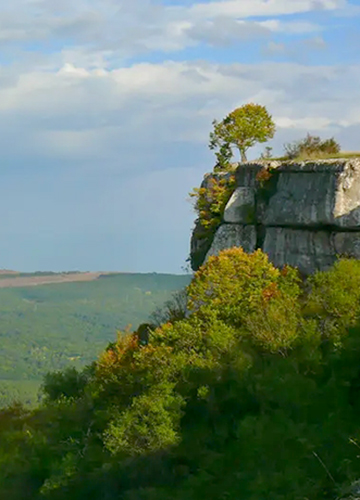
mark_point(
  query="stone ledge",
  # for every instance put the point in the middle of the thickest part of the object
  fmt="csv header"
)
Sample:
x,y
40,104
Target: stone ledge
x,y
233,235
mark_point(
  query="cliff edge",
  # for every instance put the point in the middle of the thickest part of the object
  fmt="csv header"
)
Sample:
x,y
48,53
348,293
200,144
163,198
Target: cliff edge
x,y
305,214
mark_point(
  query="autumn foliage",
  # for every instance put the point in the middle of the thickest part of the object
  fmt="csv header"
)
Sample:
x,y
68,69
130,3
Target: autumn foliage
x,y
259,361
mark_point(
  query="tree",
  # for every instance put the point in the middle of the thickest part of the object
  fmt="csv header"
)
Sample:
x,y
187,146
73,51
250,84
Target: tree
x,y
174,309
247,292
266,155
242,128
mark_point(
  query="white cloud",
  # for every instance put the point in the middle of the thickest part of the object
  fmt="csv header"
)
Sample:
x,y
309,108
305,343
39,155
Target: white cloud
x,y
297,50
81,116
290,27
102,30
252,8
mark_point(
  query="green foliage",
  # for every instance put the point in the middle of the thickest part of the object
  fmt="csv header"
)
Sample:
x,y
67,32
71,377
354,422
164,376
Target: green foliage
x,y
311,147
150,424
210,201
267,153
242,128
246,291
334,298
255,394
52,327
66,384
223,157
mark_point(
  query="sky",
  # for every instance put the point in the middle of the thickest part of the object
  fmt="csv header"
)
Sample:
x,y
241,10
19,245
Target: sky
x,y
106,108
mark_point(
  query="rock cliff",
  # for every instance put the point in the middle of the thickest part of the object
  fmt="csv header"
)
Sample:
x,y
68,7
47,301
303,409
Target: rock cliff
x,y
304,214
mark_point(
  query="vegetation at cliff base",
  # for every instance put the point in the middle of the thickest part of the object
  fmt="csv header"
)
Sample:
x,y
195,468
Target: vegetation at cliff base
x,y
252,393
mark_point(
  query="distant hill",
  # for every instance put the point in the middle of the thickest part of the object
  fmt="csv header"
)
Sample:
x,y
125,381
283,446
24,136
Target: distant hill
x,y
9,279
68,320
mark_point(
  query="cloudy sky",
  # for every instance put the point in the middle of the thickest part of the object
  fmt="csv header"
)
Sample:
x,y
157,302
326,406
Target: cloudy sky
x,y
106,107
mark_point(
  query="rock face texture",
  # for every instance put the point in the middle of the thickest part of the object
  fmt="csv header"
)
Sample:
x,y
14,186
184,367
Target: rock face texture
x,y
303,214
233,235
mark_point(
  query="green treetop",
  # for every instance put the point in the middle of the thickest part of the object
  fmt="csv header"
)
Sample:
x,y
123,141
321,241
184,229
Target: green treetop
x,y
242,128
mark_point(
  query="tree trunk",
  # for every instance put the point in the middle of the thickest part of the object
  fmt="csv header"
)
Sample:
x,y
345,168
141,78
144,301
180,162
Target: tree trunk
x,y
243,156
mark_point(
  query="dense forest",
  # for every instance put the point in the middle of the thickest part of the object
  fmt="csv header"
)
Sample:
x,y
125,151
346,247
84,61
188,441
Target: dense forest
x,y
50,327
248,390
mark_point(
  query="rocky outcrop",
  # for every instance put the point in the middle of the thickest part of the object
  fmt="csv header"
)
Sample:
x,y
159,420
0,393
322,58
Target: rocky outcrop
x,y
202,238
233,235
303,214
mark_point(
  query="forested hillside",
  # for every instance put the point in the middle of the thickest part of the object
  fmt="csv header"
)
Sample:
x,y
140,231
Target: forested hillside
x,y
253,394
50,327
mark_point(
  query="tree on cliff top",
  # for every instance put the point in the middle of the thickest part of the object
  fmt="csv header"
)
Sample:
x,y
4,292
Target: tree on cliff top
x,y
242,128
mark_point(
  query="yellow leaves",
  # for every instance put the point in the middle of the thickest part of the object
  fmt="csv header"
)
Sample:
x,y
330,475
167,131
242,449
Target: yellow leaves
x,y
120,353
247,292
232,273
210,202
334,298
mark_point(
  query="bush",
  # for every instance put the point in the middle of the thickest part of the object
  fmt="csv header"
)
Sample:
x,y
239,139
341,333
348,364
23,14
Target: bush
x,y
210,201
311,146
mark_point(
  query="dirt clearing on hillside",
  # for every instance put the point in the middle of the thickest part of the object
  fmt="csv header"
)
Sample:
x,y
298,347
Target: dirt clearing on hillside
x,y
23,281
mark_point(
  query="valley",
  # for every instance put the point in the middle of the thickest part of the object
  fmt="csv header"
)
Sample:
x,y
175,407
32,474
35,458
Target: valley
x,y
53,321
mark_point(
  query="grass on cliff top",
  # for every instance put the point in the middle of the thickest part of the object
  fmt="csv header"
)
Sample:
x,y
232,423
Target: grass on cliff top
x,y
341,155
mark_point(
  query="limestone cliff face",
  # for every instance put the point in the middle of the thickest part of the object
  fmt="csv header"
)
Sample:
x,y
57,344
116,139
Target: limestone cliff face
x,y
303,214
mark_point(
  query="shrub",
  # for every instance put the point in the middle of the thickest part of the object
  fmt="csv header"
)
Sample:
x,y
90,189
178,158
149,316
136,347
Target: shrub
x,y
149,424
311,146
210,201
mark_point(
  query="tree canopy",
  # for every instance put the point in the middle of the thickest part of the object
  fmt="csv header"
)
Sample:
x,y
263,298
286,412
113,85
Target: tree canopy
x,y
261,359
242,128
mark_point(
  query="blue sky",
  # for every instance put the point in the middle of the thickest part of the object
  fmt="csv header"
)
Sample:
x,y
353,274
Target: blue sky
x,y
106,107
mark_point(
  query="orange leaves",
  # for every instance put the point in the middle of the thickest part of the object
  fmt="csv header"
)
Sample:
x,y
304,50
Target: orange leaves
x,y
119,353
263,175
270,291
